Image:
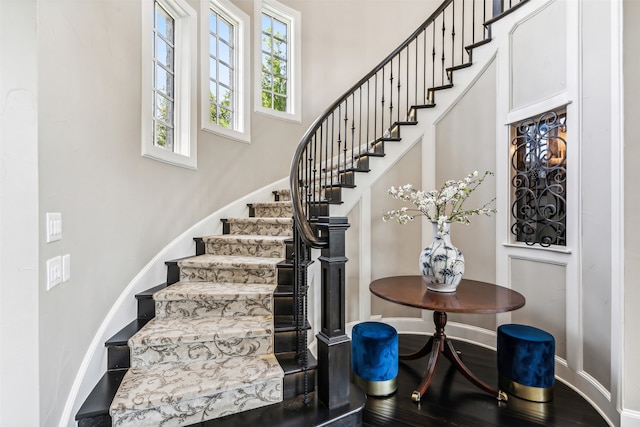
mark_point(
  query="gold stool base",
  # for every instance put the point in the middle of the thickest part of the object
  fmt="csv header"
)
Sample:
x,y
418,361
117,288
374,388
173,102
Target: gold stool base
x,y
376,388
534,394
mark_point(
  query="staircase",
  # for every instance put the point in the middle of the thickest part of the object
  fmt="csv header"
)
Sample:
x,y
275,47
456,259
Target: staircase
x,y
224,338
217,338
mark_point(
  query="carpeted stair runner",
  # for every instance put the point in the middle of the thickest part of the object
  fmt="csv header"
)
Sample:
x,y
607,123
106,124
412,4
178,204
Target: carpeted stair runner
x,y
209,352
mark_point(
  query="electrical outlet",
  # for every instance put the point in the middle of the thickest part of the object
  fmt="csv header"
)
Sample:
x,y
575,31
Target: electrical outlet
x,y
54,271
54,226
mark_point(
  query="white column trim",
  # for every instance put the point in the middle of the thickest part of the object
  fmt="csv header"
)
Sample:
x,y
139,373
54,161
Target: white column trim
x,y
364,300
617,216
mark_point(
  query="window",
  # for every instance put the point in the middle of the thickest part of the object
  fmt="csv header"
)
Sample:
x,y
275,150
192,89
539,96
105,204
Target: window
x,y
169,82
275,56
163,78
539,180
278,82
225,81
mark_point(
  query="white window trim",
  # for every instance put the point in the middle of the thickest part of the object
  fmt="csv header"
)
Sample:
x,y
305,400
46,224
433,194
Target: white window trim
x,y
555,103
294,20
185,154
242,91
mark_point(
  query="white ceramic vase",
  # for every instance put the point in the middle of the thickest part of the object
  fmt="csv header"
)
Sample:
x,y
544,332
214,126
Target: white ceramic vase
x,y
441,263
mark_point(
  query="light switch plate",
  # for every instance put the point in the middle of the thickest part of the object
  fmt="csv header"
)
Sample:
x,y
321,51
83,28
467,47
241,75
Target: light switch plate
x,y
54,271
66,267
54,226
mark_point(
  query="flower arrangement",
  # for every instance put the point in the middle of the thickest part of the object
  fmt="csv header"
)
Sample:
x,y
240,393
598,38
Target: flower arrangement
x,y
441,206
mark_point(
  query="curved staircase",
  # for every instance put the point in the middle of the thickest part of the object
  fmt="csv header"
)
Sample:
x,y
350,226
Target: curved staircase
x,y
216,339
224,338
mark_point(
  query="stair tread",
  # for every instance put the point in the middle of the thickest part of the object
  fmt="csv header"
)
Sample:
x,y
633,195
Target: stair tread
x,y
186,290
285,324
122,336
157,385
98,401
229,261
289,362
148,293
167,330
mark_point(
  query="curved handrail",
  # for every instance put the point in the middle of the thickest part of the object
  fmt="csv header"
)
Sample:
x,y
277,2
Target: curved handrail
x,y
306,232
323,160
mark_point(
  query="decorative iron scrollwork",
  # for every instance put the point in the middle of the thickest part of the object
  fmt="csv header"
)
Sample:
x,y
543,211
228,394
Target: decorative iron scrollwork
x,y
539,163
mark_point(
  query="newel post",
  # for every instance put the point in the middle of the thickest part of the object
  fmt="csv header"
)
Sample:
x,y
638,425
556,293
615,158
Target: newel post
x,y
334,346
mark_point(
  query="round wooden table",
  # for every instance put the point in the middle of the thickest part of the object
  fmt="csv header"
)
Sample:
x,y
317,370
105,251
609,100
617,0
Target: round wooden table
x,y
471,296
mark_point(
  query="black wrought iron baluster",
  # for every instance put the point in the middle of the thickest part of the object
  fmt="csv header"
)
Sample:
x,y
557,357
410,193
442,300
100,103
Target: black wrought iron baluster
x,y
303,189
399,83
415,89
323,163
353,130
311,174
345,147
390,95
305,297
433,64
462,61
406,114
360,124
382,106
444,29
368,115
424,69
329,160
337,149
375,111
453,33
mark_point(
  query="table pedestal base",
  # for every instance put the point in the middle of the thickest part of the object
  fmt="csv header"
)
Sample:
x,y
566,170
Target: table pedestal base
x,y
440,344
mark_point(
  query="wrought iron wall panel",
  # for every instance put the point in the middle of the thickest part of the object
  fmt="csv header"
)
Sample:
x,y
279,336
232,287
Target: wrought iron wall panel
x,y
539,180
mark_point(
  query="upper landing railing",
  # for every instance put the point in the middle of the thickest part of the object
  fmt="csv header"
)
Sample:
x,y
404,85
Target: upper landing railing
x,y
355,126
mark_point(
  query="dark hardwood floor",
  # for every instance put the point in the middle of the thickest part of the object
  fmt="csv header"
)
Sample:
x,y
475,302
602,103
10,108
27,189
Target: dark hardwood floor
x,y
451,400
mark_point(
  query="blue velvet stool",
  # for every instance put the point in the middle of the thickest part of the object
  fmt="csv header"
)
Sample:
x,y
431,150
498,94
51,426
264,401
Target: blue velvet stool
x,y
526,357
374,358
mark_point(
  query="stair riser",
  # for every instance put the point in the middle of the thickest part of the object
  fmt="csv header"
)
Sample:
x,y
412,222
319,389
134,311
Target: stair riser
x,y
228,275
215,308
283,306
146,308
218,349
294,384
285,275
173,272
273,212
118,357
99,421
259,228
206,407
285,341
282,195
221,247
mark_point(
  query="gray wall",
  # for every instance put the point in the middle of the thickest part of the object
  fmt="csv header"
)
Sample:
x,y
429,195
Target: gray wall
x,y
119,209
631,333
18,214
465,142
396,248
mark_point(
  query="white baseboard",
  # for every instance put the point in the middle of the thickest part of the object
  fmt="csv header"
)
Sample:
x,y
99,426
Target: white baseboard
x,y
630,418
